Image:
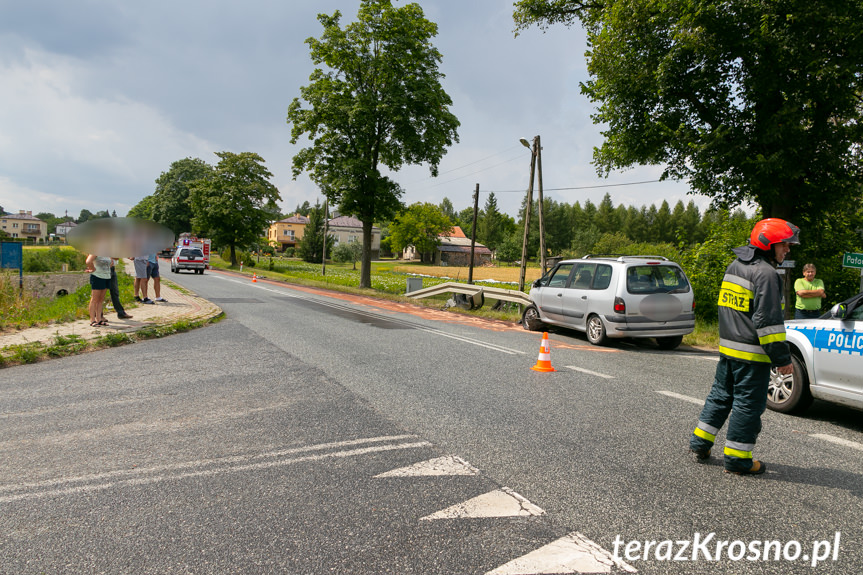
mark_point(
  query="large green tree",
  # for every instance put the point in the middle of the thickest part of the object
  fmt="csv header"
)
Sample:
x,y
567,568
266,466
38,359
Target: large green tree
x,y
311,247
748,100
375,99
421,226
234,205
170,204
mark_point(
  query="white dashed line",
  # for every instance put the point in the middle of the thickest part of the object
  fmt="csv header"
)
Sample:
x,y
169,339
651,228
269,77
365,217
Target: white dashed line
x,y
694,400
838,440
587,371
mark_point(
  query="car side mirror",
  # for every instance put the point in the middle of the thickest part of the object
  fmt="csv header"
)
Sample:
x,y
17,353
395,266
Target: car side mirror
x,y
839,311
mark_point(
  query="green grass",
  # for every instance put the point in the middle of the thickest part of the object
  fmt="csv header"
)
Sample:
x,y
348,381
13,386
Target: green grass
x,y
20,311
706,334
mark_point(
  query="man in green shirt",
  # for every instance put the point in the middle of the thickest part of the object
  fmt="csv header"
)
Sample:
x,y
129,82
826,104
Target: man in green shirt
x,y
809,293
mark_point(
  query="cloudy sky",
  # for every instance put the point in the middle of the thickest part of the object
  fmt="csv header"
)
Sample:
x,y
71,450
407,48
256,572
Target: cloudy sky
x,y
98,97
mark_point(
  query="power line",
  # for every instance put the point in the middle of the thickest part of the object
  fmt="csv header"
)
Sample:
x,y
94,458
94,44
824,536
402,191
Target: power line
x,y
574,188
473,173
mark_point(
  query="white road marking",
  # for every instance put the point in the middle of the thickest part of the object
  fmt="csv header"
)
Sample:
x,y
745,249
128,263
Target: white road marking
x,y
416,326
694,400
503,502
447,465
838,440
587,371
141,476
573,553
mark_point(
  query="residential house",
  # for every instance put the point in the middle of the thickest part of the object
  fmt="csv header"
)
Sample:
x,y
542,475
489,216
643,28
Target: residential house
x,y
65,228
454,250
288,232
24,225
349,229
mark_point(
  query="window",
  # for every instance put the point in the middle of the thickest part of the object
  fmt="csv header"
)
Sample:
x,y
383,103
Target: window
x,y
650,279
560,275
603,277
352,239
583,276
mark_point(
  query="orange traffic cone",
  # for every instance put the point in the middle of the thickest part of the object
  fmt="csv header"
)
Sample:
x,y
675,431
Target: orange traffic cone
x,y
543,363
254,278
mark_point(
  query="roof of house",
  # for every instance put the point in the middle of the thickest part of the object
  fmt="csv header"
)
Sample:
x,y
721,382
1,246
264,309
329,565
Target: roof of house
x,y
347,222
456,241
295,219
69,224
455,232
21,217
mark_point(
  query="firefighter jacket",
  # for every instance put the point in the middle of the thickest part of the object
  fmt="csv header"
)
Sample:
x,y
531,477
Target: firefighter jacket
x,y
751,310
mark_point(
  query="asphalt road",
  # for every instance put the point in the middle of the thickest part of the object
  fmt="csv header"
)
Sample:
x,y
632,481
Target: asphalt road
x,y
281,440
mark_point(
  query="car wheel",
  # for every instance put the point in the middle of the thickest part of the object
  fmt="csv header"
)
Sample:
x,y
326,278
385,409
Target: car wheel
x,y
530,319
595,330
789,393
670,342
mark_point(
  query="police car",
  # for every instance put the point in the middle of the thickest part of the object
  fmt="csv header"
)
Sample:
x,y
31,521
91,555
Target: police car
x,y
827,356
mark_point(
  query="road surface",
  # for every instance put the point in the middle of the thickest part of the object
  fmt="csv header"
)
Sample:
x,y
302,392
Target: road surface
x,y
324,433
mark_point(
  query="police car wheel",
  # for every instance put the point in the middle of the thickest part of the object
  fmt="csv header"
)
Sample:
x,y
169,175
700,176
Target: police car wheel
x,y
789,393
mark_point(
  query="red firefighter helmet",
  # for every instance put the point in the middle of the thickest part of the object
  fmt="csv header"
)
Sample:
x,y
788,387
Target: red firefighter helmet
x,y
772,231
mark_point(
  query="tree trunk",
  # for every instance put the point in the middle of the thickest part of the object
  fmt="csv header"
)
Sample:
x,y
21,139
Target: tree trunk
x,y
366,267
233,256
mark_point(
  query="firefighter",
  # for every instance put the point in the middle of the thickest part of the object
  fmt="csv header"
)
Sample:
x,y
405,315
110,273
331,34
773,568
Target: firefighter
x,y
751,342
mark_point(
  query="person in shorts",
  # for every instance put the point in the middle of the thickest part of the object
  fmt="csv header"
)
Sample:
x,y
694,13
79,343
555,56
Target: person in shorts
x,y
141,277
153,272
100,278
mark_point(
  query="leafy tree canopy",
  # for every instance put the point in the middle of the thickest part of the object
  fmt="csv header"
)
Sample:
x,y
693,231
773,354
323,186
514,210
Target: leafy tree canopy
x,y
419,226
311,246
142,210
170,204
376,98
747,100
236,203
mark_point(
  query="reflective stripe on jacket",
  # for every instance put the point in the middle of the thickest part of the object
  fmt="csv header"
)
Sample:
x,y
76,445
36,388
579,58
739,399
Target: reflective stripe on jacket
x,y
751,311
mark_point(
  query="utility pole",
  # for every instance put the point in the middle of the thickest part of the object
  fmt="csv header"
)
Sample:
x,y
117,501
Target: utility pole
x,y
537,151
473,233
527,211
326,226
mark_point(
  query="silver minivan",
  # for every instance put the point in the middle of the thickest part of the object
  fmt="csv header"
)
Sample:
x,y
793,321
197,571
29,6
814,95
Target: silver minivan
x,y
615,297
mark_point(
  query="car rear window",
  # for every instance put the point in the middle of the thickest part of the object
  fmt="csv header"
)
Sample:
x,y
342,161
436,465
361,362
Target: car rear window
x,y
191,253
650,279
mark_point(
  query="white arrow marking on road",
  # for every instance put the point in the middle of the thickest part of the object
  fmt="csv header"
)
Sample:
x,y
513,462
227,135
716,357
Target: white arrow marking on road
x,y
573,553
503,502
447,465
694,400
587,371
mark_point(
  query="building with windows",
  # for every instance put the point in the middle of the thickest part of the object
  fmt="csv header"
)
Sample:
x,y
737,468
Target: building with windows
x,y
24,225
288,232
350,229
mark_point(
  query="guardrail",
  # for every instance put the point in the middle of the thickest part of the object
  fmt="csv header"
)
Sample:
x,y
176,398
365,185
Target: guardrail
x,y
476,294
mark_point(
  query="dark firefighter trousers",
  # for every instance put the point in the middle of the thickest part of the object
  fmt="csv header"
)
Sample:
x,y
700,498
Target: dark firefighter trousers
x,y
739,388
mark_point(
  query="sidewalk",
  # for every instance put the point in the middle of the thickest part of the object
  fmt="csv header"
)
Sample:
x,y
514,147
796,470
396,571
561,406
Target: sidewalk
x,y
181,305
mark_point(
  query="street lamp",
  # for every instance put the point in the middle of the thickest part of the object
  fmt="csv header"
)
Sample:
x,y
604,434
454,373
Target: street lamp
x,y
535,162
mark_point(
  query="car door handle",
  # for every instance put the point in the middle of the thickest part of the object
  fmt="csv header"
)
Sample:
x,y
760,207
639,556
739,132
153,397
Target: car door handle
x,y
559,295
584,297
